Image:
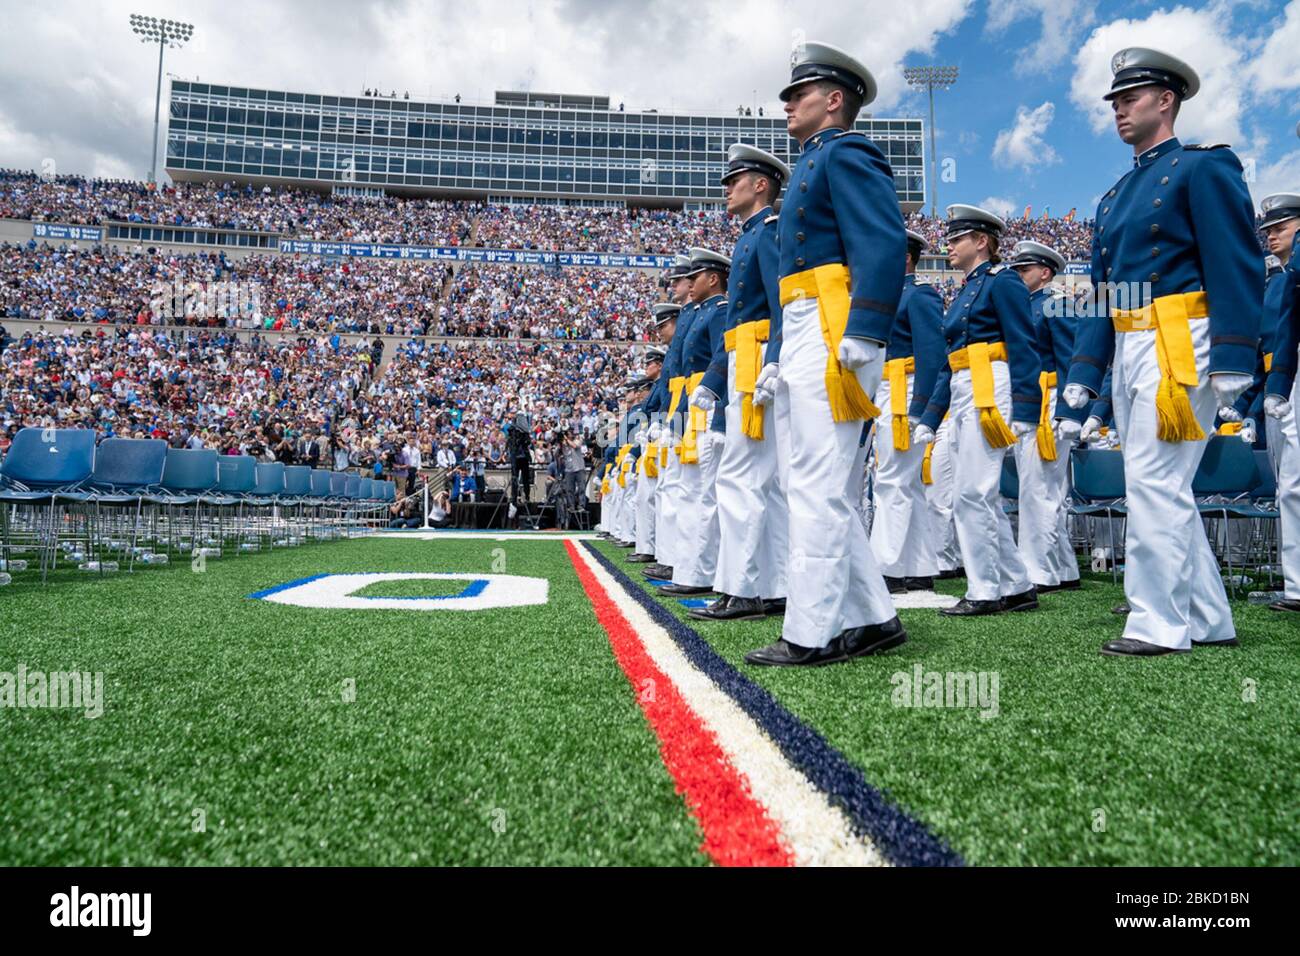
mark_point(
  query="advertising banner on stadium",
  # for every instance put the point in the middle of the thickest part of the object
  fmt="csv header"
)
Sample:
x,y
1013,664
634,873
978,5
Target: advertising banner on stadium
x,y
50,230
519,257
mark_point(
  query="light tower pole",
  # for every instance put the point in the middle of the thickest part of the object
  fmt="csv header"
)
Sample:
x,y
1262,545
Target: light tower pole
x,y
932,78
165,33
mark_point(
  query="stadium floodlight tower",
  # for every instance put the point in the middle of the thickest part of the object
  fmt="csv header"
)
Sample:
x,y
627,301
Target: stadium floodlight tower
x,y
931,78
165,33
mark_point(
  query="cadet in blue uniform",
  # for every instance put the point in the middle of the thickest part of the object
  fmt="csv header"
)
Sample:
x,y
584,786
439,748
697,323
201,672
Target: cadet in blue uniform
x,y
664,433
990,389
1280,224
752,519
1180,322
1042,459
647,478
903,537
700,446
842,249
1280,405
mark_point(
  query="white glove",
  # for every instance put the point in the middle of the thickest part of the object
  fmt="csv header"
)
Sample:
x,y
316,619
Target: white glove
x,y
1228,386
1067,429
1275,406
855,353
765,385
1229,414
1247,433
1021,429
1091,429
703,398
640,437
656,431
1076,396
922,435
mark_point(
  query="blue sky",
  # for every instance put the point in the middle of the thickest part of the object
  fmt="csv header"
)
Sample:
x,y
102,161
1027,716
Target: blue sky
x,y
1025,123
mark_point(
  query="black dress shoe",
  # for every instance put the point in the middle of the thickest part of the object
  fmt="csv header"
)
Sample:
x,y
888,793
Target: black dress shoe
x,y
785,654
658,572
968,608
871,638
895,585
1286,604
627,544
950,575
731,609
1121,609
1046,588
1024,601
1132,647
640,558
1075,585
1230,642
773,605
918,584
684,590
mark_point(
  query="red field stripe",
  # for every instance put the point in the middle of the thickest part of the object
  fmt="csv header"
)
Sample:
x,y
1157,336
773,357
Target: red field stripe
x,y
737,830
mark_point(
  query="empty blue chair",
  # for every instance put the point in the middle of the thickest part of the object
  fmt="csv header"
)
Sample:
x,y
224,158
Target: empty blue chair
x,y
188,473
45,461
236,476
269,481
338,484
298,481
390,491
352,486
1009,483
125,468
320,482
1227,469
1097,477
367,492
1266,488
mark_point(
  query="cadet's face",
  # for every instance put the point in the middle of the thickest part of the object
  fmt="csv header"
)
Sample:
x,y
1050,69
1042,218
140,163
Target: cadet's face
x,y
1280,236
666,331
1035,277
700,286
1137,113
962,252
681,290
806,110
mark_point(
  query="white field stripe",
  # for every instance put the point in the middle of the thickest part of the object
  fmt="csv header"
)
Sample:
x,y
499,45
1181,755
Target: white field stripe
x,y
817,833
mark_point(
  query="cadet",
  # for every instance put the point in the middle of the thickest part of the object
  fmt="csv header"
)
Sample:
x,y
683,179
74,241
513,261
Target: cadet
x,y
1181,325
696,553
1043,459
664,432
1280,405
647,477
752,518
1280,223
842,249
992,378
902,536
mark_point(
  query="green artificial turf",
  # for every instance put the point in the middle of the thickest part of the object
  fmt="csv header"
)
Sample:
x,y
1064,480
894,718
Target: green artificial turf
x,y
1090,760
506,736
414,588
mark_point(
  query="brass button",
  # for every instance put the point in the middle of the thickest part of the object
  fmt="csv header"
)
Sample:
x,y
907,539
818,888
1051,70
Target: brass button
x,y
740,305
1100,230
1105,209
740,284
1155,252
1104,250
1155,202
1155,277
803,187
1164,180
811,163
799,236
1109,271
798,261
1154,228
801,212
1111,194
1174,163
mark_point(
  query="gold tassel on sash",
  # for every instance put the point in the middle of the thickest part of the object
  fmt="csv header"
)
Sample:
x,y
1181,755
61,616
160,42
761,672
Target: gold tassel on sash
x,y
697,421
896,372
650,461
744,340
1046,440
927,477
979,358
829,285
1169,315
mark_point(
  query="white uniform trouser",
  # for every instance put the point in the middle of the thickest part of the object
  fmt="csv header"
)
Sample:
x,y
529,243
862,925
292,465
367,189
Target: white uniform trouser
x,y
1171,578
614,499
696,558
645,513
667,504
1288,496
902,538
1044,535
939,494
752,518
834,583
988,549
627,507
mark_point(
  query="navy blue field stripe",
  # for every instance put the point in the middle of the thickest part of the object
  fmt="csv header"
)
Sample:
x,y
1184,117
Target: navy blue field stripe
x,y
903,840
287,585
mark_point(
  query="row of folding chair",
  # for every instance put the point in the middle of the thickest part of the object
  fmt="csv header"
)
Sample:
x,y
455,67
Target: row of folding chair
x,y
139,499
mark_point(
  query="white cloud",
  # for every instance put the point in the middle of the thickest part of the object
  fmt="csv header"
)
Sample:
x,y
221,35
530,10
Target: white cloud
x,y
1198,37
1005,208
1062,21
1277,66
1023,145
672,54
1280,176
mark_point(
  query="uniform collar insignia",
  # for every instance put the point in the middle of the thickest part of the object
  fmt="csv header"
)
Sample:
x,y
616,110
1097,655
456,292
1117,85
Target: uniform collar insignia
x,y
754,220
1155,152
